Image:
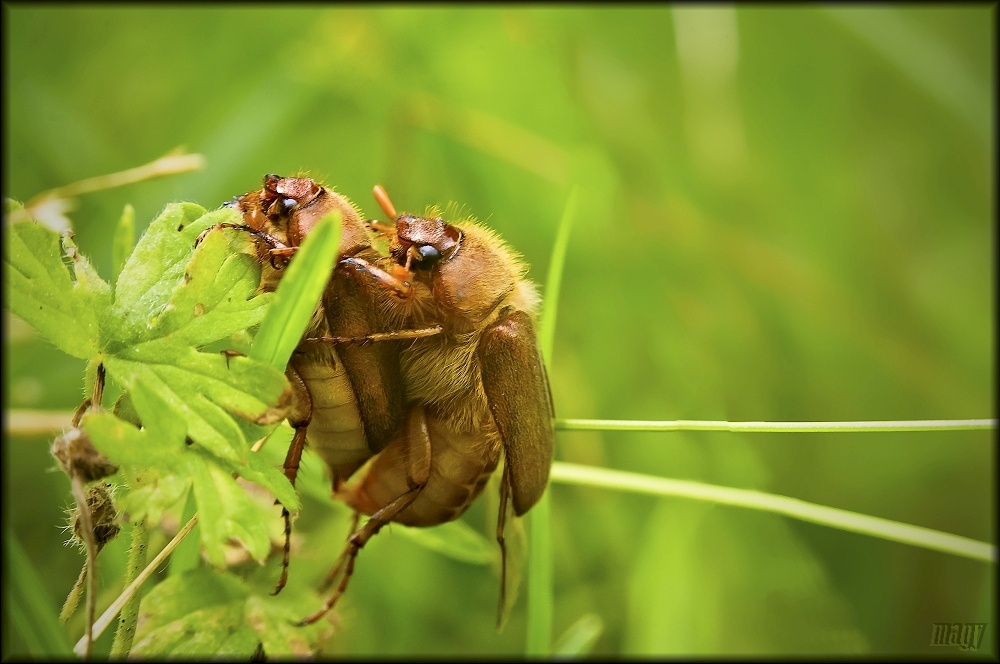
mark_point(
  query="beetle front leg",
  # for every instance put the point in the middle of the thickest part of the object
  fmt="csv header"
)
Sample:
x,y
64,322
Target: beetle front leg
x,y
399,284
282,252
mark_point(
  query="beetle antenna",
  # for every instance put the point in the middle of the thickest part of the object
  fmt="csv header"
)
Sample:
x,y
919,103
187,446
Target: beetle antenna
x,y
384,202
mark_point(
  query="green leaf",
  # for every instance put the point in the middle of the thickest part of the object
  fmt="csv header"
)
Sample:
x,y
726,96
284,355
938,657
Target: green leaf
x,y
230,617
153,455
215,297
91,294
123,242
298,294
171,300
312,480
198,386
197,608
155,492
212,297
580,638
454,539
277,629
157,266
169,467
41,292
271,478
33,618
225,511
126,445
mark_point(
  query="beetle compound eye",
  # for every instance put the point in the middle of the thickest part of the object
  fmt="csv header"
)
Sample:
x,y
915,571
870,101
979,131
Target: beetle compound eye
x,y
428,254
289,203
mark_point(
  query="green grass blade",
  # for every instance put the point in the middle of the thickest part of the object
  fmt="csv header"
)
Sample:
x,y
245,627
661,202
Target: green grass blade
x,y
33,618
553,281
791,507
775,427
540,602
298,293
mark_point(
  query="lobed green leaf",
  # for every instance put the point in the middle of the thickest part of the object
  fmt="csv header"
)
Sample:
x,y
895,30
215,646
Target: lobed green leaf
x,y
41,291
157,266
91,295
197,605
123,241
225,511
212,614
215,297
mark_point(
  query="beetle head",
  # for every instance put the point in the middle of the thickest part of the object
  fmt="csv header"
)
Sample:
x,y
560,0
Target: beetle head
x,y
423,242
287,209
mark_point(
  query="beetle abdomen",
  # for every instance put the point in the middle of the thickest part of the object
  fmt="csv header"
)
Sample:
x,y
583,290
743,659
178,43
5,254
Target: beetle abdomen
x,y
459,469
335,432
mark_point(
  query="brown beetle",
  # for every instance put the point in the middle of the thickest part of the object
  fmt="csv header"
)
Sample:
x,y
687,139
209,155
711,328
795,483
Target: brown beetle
x,y
477,388
348,396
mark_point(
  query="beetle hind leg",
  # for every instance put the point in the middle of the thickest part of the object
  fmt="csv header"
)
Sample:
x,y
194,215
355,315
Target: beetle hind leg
x,y
355,542
300,423
414,444
501,525
332,576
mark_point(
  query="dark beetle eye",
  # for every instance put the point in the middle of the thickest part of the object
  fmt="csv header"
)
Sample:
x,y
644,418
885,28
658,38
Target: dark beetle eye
x,y
289,203
428,254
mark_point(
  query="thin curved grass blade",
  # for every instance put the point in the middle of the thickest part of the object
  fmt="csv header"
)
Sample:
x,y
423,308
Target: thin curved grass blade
x,y
540,594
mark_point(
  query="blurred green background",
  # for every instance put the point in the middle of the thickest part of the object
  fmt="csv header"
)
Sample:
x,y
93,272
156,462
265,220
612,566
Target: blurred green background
x,y
785,214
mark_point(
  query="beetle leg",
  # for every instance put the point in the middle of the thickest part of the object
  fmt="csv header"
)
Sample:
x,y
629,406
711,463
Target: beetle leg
x,y
201,235
260,235
501,524
300,422
282,252
415,444
393,335
354,544
332,576
400,287
231,353
384,230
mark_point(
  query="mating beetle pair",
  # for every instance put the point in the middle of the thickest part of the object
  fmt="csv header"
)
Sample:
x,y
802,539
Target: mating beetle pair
x,y
422,364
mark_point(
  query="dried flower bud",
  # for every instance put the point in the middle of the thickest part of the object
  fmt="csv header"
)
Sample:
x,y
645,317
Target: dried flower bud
x,y
103,515
79,458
